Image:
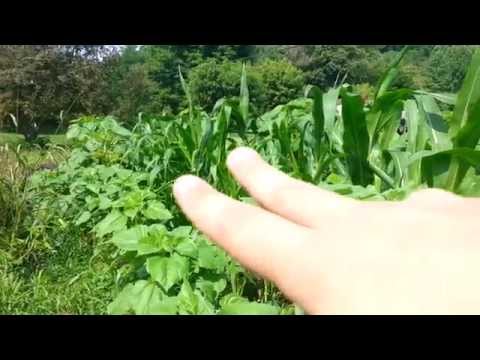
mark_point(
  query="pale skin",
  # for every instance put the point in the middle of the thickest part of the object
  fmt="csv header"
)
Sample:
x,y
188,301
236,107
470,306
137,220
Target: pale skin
x,y
334,255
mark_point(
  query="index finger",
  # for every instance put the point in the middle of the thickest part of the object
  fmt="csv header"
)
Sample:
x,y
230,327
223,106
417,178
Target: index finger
x,y
262,241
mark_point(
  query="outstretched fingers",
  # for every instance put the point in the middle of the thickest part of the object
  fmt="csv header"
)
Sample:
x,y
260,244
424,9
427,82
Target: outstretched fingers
x,y
264,242
300,202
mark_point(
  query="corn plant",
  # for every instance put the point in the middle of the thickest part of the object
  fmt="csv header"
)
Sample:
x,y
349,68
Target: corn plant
x,y
116,185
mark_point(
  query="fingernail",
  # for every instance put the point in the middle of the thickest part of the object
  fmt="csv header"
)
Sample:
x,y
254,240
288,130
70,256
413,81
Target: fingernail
x,y
184,186
241,155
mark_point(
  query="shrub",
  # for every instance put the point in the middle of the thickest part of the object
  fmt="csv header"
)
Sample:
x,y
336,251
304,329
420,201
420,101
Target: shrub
x,y
448,66
213,80
270,83
281,80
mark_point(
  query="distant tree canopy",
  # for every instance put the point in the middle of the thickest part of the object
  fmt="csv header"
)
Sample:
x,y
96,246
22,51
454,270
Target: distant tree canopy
x,y
40,82
448,65
160,65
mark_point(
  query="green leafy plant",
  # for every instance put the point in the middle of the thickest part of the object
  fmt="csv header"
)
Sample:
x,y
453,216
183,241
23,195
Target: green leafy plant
x,y
115,187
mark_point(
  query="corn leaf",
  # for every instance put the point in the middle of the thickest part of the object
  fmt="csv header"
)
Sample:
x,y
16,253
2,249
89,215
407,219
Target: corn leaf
x,y
244,96
436,125
356,139
468,96
390,74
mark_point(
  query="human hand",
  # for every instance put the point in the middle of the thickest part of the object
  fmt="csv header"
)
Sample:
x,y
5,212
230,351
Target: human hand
x,y
335,255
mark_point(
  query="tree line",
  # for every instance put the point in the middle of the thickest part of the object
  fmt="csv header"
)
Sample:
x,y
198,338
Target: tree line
x,y
43,87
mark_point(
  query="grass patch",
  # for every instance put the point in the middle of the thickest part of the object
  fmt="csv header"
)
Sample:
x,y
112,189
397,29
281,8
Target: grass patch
x,y
74,287
17,139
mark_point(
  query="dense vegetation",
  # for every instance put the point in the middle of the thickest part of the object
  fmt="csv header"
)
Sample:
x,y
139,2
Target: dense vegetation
x,y
101,232
44,87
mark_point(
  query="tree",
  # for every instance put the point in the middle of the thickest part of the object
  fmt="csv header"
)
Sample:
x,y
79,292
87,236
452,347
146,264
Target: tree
x,y
448,66
162,62
327,65
213,80
281,82
37,82
135,92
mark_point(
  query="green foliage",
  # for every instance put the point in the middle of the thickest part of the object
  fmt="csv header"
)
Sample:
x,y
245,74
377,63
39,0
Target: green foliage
x,y
448,66
326,65
135,92
271,83
281,82
212,80
38,82
162,61
109,204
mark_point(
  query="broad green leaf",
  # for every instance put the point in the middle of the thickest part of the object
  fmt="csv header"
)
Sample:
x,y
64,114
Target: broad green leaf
x,y
106,172
318,118
387,79
187,93
156,240
146,299
73,132
244,97
122,304
204,307
123,174
417,135
211,257
468,96
389,123
470,185
94,188
187,248
141,298
131,212
168,271
83,218
192,302
330,110
468,137
417,138
463,114
249,309
317,111
231,298
114,221
334,179
129,239
436,125
400,162
157,211
187,300
111,189
92,202
132,200
170,240
104,202
383,110
181,231
384,102
167,306
211,289
119,130
356,139
145,239
436,164
446,98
